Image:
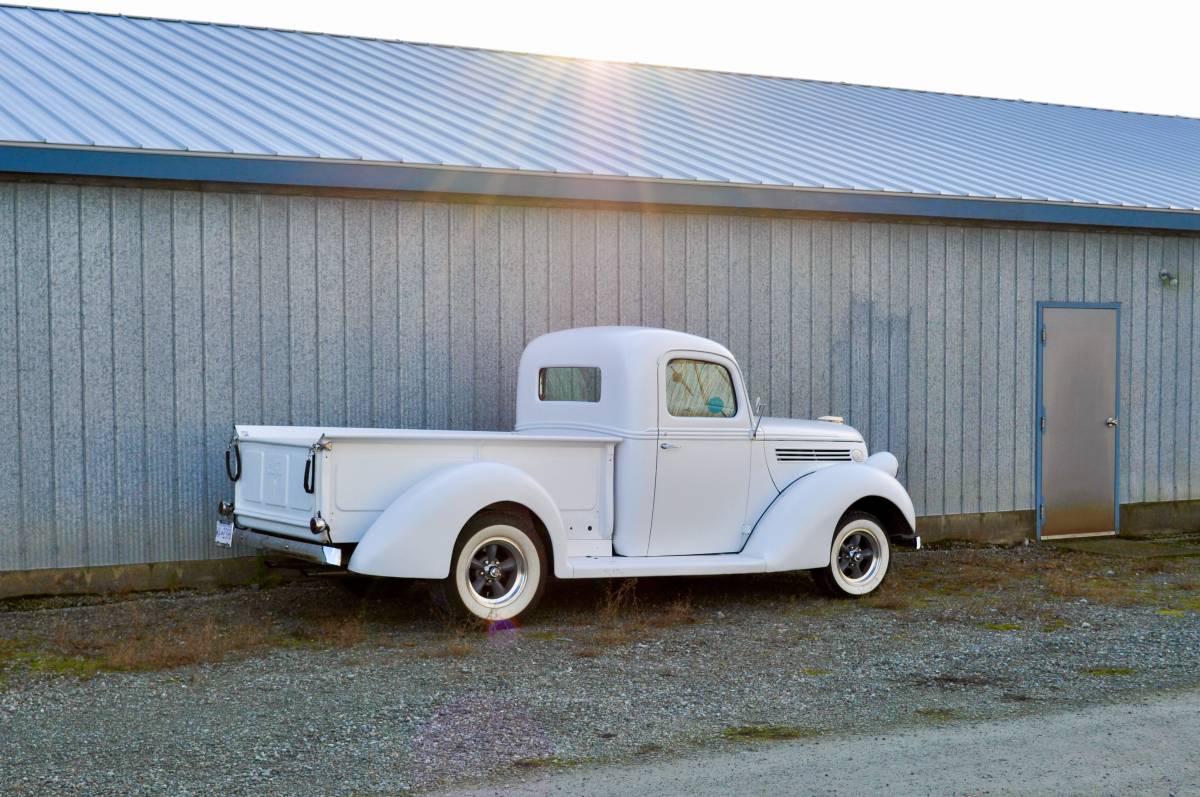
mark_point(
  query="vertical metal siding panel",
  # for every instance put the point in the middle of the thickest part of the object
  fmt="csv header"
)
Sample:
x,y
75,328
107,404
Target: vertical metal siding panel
x,y
356,238
10,466
215,279
1135,430
629,275
859,329
1182,373
653,269
302,291
385,279
820,343
1154,376
1123,280
1193,284
972,316
331,313
561,270
1076,266
990,302
917,466
246,304
129,374
718,278
801,312
67,358
935,359
96,290
878,311
1166,345
897,354
437,315
695,274
839,330
1107,291
1060,269
1092,276
158,281
274,307
583,268
1024,374
608,275
411,321
780,305
36,533
462,321
674,271
512,309
1009,423
189,376
537,272
486,334
956,438
739,290
760,312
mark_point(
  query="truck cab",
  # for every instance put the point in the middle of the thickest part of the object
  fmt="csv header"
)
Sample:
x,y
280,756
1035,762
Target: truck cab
x,y
636,452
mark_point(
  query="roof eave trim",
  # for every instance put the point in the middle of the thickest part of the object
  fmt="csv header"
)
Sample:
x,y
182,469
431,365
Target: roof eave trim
x,y
140,164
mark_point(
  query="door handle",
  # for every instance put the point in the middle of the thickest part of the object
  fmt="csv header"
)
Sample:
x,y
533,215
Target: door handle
x,y
1111,423
666,446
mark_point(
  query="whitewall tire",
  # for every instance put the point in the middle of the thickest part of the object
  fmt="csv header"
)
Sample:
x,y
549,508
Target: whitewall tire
x,y
499,568
858,557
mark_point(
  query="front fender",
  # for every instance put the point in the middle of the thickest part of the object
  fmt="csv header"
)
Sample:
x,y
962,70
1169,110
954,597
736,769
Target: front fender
x,y
414,537
796,531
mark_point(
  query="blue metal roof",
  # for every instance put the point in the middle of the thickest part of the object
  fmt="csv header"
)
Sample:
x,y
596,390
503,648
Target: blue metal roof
x,y
79,92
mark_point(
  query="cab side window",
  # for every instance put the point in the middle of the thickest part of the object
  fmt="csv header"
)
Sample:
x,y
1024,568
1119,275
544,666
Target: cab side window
x,y
699,389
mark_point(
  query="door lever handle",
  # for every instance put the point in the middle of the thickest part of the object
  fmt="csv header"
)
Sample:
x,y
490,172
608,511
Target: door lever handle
x,y
1111,423
666,446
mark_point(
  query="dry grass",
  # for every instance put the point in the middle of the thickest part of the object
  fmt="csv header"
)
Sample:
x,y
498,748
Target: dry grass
x,y
756,733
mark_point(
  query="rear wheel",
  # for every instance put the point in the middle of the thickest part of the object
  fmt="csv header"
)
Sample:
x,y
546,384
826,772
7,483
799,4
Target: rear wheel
x,y
858,558
499,567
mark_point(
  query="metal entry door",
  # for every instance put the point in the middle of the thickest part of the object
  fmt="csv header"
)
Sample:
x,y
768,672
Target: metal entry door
x,y
1079,426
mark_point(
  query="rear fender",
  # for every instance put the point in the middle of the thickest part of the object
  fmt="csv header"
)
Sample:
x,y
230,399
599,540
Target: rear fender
x,y
796,531
414,537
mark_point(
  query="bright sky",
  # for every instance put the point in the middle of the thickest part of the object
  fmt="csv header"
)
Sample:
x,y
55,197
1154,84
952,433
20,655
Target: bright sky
x,y
1137,56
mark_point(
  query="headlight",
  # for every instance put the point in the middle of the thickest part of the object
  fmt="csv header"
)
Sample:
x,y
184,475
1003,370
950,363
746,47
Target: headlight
x,y
858,454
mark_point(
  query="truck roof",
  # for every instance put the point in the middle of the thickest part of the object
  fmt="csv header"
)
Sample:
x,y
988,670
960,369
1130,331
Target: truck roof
x,y
628,359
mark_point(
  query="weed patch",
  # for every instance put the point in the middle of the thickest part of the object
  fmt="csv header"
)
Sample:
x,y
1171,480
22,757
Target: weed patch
x,y
1002,626
759,733
1108,672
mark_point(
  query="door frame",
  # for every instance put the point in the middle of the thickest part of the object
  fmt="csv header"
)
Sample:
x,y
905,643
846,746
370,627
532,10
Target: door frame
x,y
1039,412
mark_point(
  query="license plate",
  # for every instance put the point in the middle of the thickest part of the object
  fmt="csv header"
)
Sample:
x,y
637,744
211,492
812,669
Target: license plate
x,y
225,533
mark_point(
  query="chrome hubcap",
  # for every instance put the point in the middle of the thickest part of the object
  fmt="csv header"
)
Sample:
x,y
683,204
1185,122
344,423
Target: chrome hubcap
x,y
497,571
858,556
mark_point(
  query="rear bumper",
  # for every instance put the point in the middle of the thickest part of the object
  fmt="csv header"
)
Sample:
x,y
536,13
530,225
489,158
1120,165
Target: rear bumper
x,y
312,552
907,541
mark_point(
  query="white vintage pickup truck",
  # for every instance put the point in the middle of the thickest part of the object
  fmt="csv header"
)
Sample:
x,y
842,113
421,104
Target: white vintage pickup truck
x,y
636,453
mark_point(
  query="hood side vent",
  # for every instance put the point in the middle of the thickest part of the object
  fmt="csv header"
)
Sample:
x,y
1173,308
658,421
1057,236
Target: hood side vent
x,y
812,454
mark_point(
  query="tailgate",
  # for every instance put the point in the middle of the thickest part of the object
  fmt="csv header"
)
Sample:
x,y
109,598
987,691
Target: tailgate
x,y
270,494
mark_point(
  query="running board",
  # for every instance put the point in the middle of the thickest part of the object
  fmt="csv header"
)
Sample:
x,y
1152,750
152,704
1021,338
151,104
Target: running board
x,y
638,566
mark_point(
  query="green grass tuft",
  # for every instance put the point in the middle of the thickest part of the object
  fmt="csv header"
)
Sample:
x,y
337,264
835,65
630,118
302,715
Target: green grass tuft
x,y
1106,672
1002,626
756,733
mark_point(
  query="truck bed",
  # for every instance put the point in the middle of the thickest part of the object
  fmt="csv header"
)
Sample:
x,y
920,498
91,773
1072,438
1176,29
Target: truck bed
x,y
360,471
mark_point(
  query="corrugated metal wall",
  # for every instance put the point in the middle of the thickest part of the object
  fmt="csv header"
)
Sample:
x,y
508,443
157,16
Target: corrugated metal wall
x,y
136,325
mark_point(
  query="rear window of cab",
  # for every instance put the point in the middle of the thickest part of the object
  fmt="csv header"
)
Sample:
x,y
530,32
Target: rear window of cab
x,y
569,383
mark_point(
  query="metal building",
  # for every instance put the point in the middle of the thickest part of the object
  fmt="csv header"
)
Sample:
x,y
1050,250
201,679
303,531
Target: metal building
x,y
201,224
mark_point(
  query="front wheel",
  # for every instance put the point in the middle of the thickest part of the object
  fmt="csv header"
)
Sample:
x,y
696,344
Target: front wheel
x,y
858,558
498,570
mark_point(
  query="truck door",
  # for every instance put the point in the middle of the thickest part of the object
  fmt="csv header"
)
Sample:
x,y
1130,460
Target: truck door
x,y
703,462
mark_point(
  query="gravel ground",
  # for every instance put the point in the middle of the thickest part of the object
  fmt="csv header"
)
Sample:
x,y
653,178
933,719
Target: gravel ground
x,y
299,689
